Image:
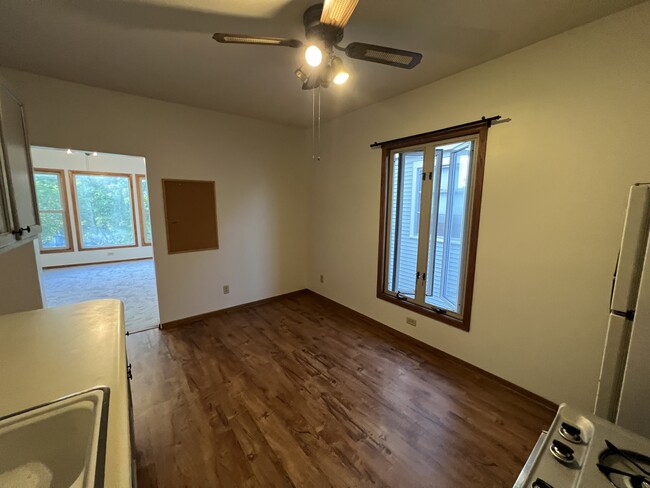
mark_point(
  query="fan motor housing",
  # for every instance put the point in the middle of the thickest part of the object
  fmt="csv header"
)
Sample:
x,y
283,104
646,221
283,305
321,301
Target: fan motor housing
x,y
327,34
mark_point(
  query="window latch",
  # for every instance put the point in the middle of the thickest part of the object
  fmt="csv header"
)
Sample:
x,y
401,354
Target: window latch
x,y
417,275
441,311
399,296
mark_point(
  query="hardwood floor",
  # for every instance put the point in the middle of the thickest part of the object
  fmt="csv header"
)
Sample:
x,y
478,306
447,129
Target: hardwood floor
x,y
299,392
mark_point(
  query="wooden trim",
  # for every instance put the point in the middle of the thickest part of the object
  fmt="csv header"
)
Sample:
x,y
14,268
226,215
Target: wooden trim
x,y
73,192
427,347
481,130
383,220
65,210
138,185
215,313
475,215
434,135
57,266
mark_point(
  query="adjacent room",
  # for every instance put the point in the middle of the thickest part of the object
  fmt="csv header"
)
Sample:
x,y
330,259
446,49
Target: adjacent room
x,y
403,244
95,239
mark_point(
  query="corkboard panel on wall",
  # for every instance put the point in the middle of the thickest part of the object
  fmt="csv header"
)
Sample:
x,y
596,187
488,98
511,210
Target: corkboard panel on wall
x,y
190,215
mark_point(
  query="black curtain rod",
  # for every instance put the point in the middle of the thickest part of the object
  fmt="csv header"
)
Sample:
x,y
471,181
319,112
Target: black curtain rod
x,y
486,120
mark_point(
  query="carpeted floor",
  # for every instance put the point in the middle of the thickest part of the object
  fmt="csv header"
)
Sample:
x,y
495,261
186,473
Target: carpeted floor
x,y
133,282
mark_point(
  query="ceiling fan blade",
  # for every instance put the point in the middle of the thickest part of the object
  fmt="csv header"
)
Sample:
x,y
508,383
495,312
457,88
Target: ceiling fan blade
x,y
337,13
263,41
384,55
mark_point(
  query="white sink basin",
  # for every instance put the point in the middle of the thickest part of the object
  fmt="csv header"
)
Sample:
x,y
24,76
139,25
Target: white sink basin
x,y
60,444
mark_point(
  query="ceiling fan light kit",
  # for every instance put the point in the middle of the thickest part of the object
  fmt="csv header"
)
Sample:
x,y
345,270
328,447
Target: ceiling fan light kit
x,y
339,72
302,76
324,24
313,55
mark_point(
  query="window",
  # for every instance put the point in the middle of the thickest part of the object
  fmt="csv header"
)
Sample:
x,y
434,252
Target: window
x,y
145,217
415,169
429,221
104,210
53,210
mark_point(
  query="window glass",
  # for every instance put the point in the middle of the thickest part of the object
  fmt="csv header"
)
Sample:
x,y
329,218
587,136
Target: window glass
x,y
417,198
48,191
51,210
405,204
450,195
105,210
53,231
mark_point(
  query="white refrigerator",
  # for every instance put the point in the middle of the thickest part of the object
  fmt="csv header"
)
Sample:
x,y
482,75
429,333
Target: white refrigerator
x,y
624,386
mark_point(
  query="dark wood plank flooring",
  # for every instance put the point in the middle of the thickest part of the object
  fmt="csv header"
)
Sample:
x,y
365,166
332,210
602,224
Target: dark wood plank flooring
x,y
299,392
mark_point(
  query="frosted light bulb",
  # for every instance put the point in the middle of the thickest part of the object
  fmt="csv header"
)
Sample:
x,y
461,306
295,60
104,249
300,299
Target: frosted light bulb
x,y
313,56
341,77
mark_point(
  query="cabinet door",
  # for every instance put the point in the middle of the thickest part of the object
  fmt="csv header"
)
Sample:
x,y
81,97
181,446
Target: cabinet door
x,y
6,236
18,166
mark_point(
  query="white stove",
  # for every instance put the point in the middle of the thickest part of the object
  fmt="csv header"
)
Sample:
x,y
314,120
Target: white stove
x,y
582,450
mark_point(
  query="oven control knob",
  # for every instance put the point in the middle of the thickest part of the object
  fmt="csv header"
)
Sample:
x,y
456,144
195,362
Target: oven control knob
x,y
562,452
540,483
571,433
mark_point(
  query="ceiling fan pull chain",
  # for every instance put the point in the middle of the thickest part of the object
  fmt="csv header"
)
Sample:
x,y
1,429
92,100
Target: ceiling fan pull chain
x,y
318,146
313,125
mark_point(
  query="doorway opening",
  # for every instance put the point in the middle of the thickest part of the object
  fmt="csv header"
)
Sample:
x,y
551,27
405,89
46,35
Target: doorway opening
x,y
96,239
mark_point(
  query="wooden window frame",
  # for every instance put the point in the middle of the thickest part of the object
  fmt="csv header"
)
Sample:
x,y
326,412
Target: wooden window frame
x,y
138,185
480,130
75,204
65,210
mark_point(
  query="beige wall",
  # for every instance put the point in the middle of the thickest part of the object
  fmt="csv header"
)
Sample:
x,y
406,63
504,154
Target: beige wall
x,y
258,181
53,158
556,184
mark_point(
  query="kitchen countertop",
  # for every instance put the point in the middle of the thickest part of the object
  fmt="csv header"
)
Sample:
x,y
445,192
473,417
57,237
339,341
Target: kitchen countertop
x,y
47,354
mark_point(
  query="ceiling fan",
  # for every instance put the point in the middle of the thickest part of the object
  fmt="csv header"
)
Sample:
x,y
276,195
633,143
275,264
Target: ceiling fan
x,y
324,24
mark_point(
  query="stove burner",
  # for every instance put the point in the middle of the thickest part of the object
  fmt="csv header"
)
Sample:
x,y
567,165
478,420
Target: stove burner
x,y
623,468
571,433
562,452
540,483
636,480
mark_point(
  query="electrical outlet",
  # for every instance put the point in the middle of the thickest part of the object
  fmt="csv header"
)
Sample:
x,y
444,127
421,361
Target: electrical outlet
x,y
411,321
226,289
322,279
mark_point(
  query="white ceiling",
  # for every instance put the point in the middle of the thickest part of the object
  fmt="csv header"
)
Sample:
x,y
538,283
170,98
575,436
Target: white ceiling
x,y
163,48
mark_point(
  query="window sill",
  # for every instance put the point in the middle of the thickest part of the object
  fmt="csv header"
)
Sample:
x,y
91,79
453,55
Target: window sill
x,y
462,324
106,247
55,250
